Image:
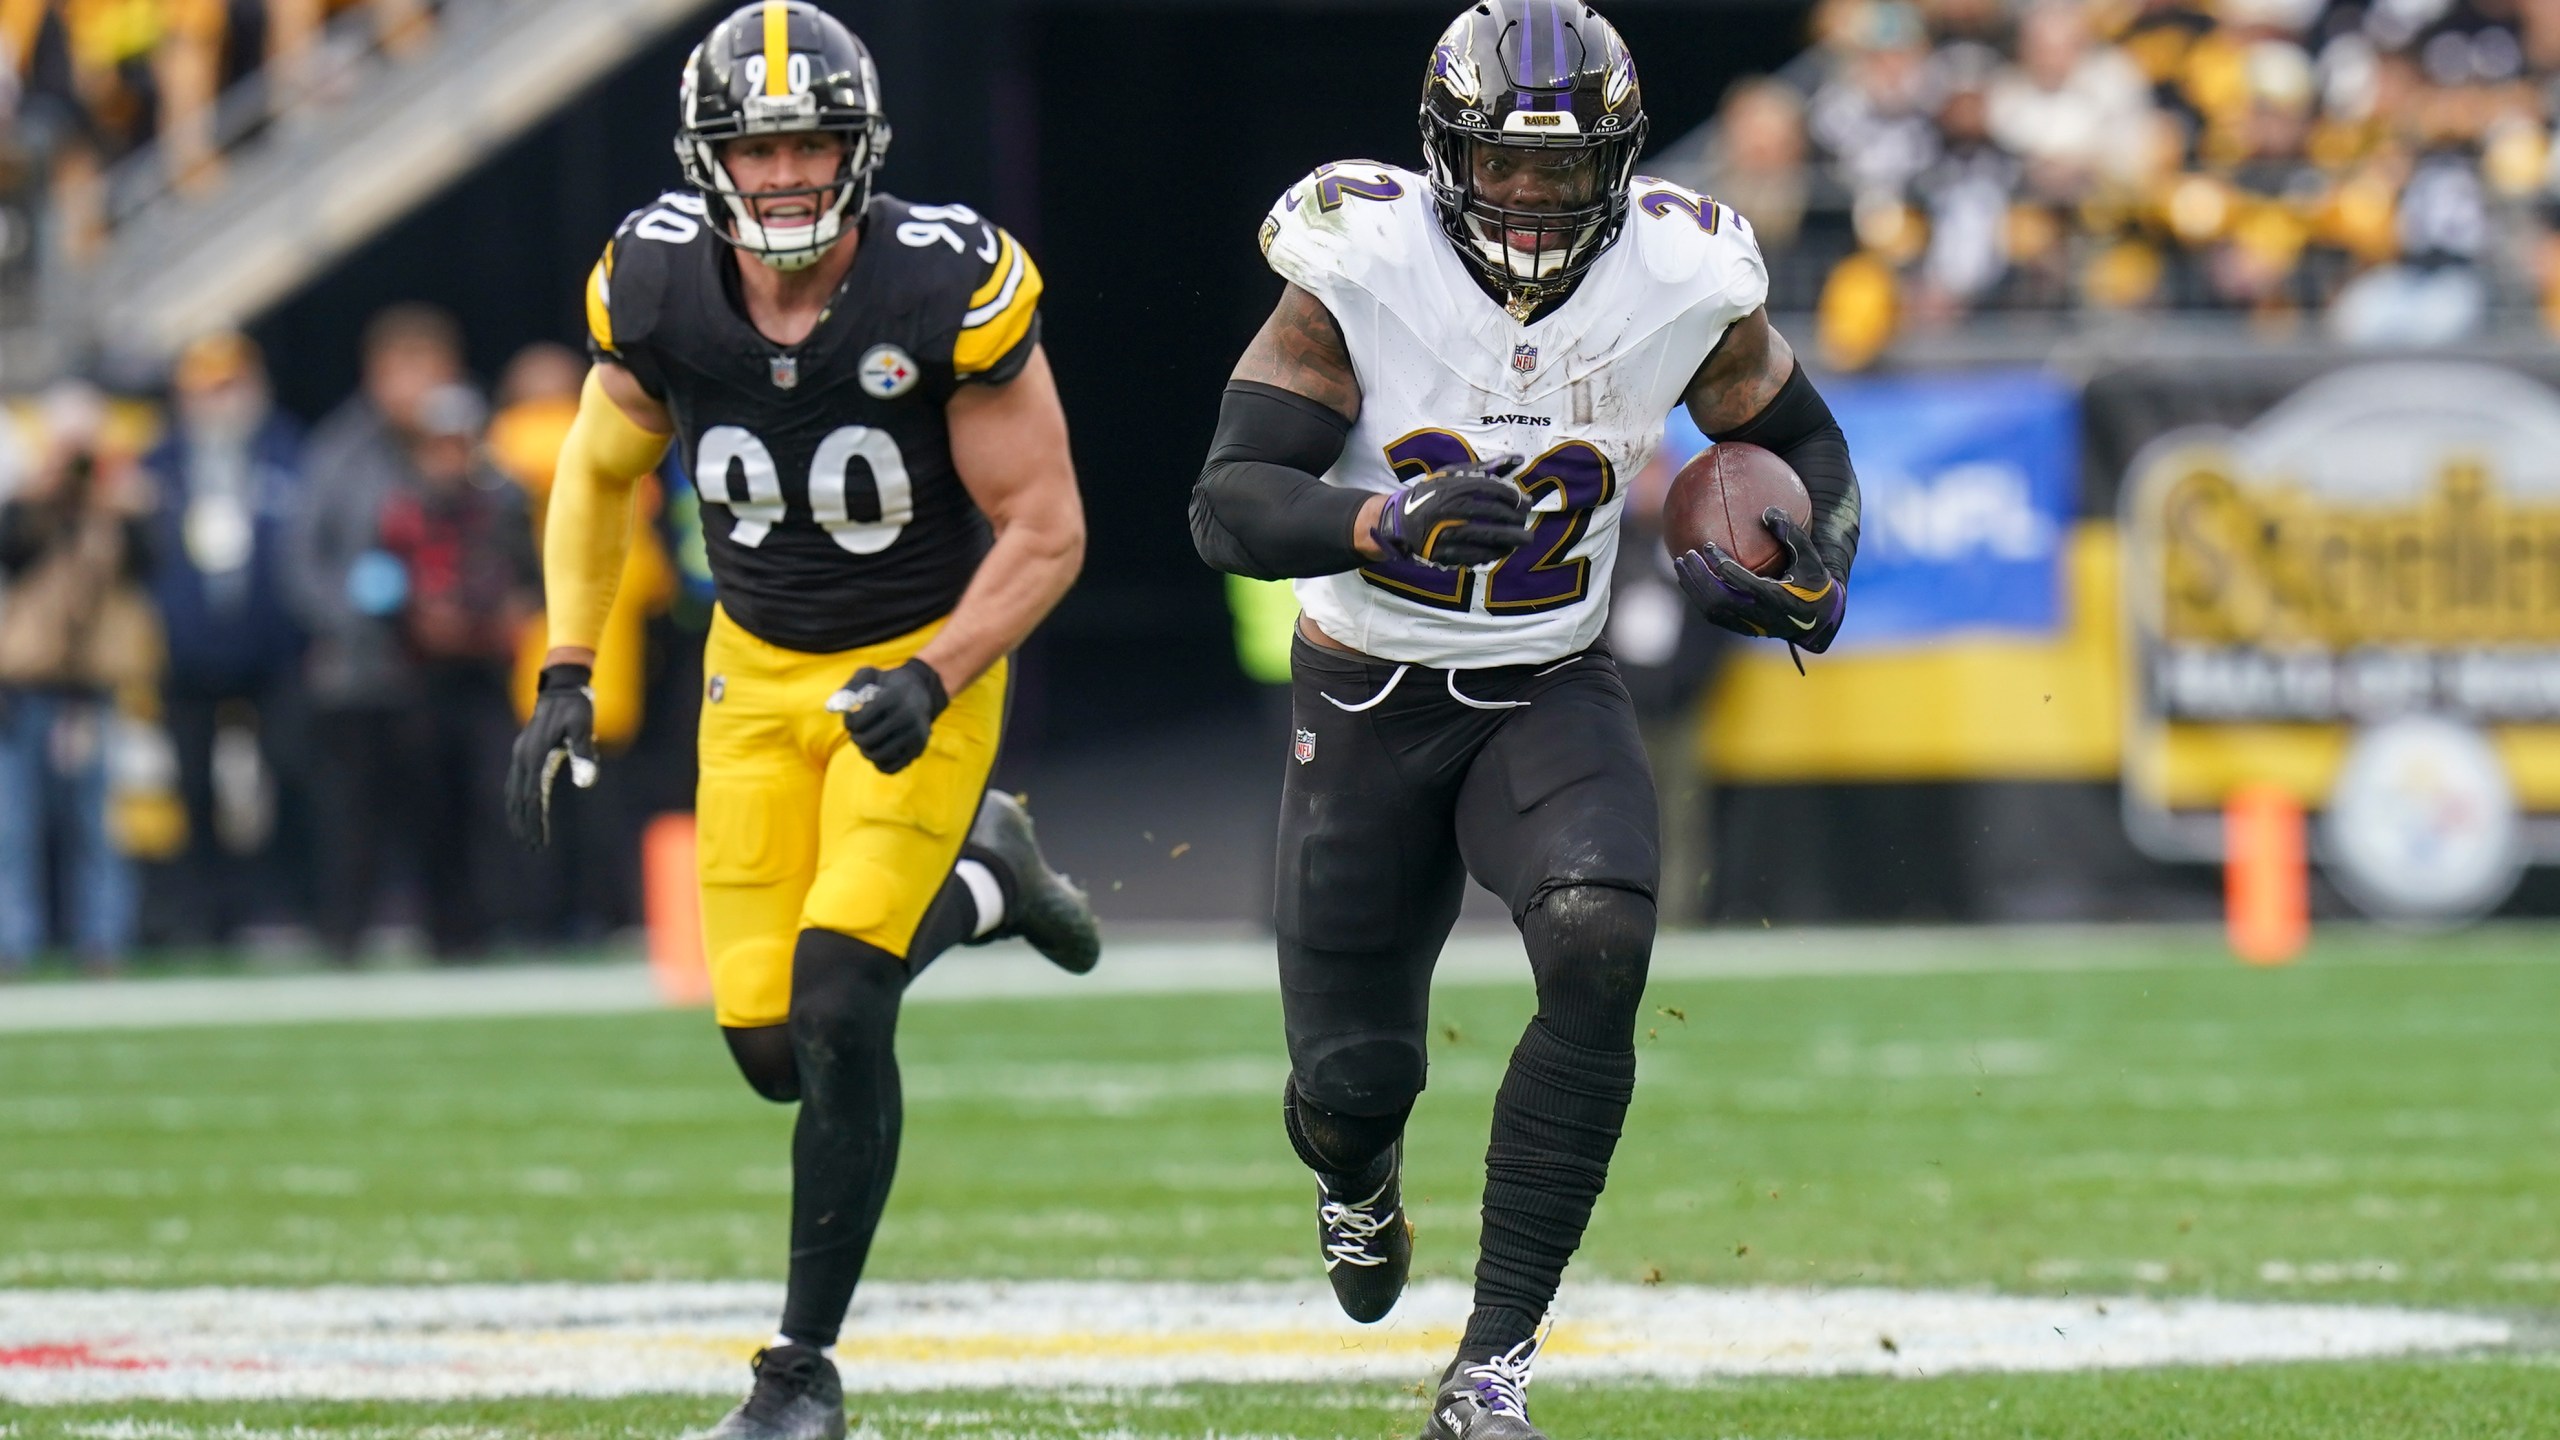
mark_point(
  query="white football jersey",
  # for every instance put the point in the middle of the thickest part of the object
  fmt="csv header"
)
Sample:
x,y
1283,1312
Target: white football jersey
x,y
1446,373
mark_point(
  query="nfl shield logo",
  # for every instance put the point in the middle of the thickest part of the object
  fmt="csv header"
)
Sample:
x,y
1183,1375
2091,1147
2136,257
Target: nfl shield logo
x,y
1305,749
1524,358
786,372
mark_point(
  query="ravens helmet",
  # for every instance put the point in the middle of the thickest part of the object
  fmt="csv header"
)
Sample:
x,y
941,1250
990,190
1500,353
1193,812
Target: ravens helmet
x,y
1543,89
778,67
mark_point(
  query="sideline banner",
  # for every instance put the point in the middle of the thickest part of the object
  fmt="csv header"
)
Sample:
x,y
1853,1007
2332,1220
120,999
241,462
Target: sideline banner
x,y
1969,484
2356,595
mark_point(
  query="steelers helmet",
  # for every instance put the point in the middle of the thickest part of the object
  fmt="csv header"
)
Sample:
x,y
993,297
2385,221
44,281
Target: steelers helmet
x,y
1546,76
780,67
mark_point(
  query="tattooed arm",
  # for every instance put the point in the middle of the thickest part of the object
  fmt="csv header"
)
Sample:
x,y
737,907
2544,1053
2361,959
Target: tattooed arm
x,y
1301,350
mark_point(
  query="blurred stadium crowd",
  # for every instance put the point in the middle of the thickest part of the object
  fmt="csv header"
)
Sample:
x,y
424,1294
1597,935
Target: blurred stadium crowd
x,y
91,83
253,680
2380,167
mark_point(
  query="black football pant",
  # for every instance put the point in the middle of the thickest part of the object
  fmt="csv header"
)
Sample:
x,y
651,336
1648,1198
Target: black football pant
x,y
1402,782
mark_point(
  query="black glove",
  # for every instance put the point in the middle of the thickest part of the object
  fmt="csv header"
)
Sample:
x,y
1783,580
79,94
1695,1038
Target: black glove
x,y
1802,605
563,727
891,715
1454,519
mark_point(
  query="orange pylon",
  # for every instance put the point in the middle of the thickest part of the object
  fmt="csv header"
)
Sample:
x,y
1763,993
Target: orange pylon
x,y
2266,873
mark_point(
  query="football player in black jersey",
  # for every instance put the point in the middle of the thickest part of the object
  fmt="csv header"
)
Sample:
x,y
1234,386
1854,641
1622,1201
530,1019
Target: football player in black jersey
x,y
861,396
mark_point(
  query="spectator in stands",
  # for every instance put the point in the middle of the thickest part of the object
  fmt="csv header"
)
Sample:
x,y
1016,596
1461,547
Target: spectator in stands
x,y
591,864
461,539
1966,192
362,681
1755,159
1872,119
74,631
2075,112
229,480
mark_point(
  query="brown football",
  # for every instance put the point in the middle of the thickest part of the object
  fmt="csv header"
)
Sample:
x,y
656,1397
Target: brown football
x,y
1720,496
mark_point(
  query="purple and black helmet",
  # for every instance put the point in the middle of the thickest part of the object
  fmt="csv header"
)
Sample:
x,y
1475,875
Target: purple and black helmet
x,y
1543,75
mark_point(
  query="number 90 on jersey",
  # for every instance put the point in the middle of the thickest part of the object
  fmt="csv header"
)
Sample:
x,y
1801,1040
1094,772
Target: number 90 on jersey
x,y
734,468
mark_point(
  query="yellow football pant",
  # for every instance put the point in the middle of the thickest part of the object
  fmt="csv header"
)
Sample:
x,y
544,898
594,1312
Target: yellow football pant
x,y
796,831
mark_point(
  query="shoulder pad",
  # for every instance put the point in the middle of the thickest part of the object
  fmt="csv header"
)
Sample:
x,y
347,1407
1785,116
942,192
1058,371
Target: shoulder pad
x,y
983,281
1695,244
625,289
1344,222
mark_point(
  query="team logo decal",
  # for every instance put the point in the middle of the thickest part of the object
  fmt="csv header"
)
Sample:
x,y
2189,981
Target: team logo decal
x,y
719,688
1524,358
888,372
1305,749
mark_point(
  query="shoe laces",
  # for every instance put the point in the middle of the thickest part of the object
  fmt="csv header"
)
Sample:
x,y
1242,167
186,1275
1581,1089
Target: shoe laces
x,y
1501,1384
1350,1226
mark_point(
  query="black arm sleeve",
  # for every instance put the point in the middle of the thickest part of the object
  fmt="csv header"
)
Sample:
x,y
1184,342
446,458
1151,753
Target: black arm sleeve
x,y
1258,509
1798,428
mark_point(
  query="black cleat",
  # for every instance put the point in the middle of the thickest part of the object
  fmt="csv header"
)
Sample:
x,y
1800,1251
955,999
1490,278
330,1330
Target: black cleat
x,y
1488,1400
797,1397
1367,1243
1045,907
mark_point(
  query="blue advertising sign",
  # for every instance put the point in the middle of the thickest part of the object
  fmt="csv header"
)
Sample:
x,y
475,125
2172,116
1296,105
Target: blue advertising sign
x,y
1969,483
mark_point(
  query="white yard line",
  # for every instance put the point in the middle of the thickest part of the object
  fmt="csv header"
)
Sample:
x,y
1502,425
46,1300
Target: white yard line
x,y
60,1347
1213,964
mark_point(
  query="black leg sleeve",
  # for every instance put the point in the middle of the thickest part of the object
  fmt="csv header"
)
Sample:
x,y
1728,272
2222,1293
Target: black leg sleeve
x,y
1557,1118
763,1053
844,1026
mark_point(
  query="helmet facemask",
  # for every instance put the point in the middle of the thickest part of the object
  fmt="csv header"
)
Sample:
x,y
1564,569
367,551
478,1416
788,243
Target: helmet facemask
x,y
1531,250
779,68
797,245
1531,85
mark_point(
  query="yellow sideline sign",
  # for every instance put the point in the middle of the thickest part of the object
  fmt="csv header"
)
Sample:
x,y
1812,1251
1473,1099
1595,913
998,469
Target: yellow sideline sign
x,y
1991,708
2017,709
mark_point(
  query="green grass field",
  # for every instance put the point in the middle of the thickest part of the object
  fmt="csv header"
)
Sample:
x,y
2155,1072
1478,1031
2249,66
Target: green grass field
x,y
2378,1124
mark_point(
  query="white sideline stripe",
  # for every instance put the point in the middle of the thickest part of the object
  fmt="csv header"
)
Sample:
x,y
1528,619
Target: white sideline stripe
x,y
469,1341
1213,965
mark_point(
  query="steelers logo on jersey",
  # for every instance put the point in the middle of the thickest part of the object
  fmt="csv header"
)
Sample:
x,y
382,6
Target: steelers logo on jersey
x,y
888,372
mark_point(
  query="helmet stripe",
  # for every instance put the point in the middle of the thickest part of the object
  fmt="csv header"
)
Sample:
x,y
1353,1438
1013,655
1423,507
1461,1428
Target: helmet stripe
x,y
777,48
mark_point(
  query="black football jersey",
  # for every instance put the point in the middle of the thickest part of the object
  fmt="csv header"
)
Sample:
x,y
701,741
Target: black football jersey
x,y
831,510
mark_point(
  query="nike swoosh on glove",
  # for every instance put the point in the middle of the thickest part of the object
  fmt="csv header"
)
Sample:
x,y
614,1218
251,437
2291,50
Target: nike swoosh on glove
x,y
1454,519
1802,605
563,727
890,715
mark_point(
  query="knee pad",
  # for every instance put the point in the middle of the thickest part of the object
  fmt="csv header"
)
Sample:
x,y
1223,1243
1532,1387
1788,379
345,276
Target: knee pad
x,y
1366,1075
1590,947
1333,1143
763,1053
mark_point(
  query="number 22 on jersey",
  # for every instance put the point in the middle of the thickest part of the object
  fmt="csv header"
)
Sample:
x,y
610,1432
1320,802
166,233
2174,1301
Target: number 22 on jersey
x,y
731,457
1534,577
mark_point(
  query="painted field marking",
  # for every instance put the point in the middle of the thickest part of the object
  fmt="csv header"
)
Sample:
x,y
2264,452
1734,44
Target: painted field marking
x,y
472,1341
1213,963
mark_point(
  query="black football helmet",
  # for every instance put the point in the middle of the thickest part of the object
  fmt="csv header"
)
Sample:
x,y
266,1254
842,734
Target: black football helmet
x,y
1538,76
779,67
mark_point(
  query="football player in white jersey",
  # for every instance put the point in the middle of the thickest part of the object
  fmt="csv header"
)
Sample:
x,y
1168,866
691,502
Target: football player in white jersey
x,y
1433,436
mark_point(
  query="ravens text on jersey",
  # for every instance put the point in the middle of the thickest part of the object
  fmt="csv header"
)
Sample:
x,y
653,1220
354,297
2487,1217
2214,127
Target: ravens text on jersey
x,y
833,514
